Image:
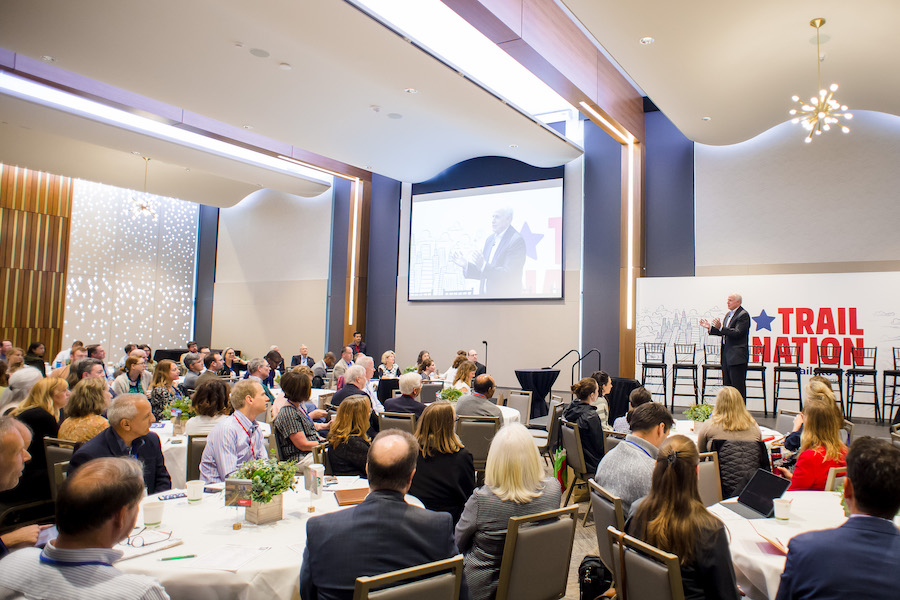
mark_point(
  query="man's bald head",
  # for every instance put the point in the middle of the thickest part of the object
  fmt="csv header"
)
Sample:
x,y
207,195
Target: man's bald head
x,y
96,492
392,460
484,385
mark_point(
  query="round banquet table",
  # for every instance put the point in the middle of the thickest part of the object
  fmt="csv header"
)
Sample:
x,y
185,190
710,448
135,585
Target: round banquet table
x,y
207,525
540,382
686,428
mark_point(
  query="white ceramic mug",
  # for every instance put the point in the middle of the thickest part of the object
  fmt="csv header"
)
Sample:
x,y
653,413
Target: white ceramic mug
x,y
153,513
782,508
195,490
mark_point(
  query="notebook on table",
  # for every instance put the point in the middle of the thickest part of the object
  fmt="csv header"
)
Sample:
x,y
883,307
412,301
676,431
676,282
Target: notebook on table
x,y
349,497
755,501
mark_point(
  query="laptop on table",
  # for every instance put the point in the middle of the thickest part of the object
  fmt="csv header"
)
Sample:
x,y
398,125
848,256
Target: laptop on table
x,y
755,501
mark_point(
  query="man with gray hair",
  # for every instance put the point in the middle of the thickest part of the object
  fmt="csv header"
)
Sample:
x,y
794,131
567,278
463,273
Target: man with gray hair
x,y
194,364
368,363
735,333
258,370
354,383
499,266
129,434
236,439
406,402
96,508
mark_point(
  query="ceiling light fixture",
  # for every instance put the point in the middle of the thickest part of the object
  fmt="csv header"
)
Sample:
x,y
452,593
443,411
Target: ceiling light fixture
x,y
823,110
142,205
706,118
646,41
411,91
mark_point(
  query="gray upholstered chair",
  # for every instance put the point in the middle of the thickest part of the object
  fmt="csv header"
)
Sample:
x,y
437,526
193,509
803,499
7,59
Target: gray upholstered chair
x,y
608,512
708,480
439,580
403,421
647,572
476,434
195,446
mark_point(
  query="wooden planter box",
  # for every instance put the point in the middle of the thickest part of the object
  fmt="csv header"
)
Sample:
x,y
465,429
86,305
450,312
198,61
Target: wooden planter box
x,y
262,513
178,426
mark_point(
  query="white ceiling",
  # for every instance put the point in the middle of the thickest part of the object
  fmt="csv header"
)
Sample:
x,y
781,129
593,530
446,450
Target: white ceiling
x,y
740,63
343,64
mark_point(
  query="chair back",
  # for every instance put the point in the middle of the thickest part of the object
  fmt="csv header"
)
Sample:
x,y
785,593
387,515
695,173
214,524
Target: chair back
x,y
847,428
863,358
757,356
58,475
196,444
441,580
278,441
835,479
527,570
608,512
829,356
786,355
320,456
556,411
402,421
571,441
476,434
738,462
784,422
57,450
430,390
685,354
647,572
654,353
712,354
708,481
521,401
611,439
895,439
324,399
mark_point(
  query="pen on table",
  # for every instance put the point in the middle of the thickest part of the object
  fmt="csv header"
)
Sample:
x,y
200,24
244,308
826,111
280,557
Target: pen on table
x,y
179,557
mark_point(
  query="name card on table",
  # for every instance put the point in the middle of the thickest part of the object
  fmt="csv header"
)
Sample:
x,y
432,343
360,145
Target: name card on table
x,y
237,492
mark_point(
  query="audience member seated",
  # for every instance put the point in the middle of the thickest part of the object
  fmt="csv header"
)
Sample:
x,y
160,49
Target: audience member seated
x,y
15,438
672,518
76,353
129,434
65,355
88,368
858,559
348,438
730,420
15,358
821,447
4,378
276,364
581,411
210,402
639,395
84,419
163,390
423,355
296,433
232,365
460,358
463,377
97,351
368,363
148,356
320,418
303,359
194,365
358,346
40,412
388,366
5,347
816,386
237,439
381,534
258,370
320,370
129,348
406,402
604,384
97,507
480,369
427,370
342,365
35,357
20,384
513,487
135,379
477,403
628,468
354,383
212,364
445,473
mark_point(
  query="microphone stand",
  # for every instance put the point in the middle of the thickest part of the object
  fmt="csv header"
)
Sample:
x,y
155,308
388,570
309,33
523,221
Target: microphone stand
x,y
485,352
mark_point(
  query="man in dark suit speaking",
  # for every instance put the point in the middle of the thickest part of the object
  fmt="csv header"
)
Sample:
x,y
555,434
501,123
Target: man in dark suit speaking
x,y
499,266
735,333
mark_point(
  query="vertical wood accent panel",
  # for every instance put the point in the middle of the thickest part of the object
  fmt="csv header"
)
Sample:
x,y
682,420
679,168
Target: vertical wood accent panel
x,y
35,210
358,265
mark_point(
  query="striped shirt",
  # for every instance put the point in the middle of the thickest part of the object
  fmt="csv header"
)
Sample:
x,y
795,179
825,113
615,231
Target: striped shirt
x,y
82,574
230,444
291,420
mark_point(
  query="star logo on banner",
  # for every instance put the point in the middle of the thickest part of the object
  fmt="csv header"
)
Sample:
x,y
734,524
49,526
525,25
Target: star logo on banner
x,y
763,321
531,241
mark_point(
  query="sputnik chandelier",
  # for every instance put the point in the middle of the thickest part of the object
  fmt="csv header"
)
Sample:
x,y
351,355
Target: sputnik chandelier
x,y
141,204
822,111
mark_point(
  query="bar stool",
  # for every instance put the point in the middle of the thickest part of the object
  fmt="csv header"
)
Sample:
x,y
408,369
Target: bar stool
x,y
829,364
756,367
685,360
711,368
862,365
893,374
787,365
653,367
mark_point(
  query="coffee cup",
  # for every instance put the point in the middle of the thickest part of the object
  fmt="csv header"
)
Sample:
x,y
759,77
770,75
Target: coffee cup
x,y
195,490
782,508
153,513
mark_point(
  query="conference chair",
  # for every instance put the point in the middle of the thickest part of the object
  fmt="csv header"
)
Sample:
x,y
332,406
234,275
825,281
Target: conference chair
x,y
709,482
396,393
608,512
611,439
654,368
756,376
862,367
893,374
393,420
738,462
440,580
57,477
711,369
642,570
527,570
324,399
544,422
828,364
787,371
195,446
430,391
476,434
56,451
784,422
848,428
685,369
548,445
571,441
278,441
835,479
320,456
521,401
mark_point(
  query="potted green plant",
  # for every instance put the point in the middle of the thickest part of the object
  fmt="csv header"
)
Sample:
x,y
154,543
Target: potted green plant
x,y
179,412
451,394
698,413
269,480
410,369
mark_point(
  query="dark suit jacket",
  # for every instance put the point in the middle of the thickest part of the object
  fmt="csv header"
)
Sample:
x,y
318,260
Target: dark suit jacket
x,y
735,338
404,404
502,276
859,559
207,375
106,443
345,392
480,369
382,534
297,360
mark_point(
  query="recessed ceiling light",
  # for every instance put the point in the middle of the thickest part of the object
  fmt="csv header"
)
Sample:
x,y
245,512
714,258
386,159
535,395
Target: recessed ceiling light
x,y
238,44
135,152
259,52
646,41
706,118
186,170
247,126
48,59
514,146
395,116
411,91
285,66
367,167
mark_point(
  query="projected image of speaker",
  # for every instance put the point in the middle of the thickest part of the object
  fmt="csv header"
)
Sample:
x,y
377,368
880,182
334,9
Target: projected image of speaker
x,y
498,242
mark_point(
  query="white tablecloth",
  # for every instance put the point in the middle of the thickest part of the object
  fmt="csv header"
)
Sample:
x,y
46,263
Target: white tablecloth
x,y
206,525
510,415
757,564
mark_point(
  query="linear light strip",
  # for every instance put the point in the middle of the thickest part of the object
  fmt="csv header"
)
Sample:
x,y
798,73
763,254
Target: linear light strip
x,y
629,294
357,186
612,128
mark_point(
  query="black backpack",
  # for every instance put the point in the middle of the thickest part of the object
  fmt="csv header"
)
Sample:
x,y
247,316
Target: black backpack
x,y
593,578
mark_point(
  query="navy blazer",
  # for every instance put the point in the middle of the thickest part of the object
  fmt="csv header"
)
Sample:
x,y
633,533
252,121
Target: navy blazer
x,y
382,534
859,559
297,359
404,404
106,443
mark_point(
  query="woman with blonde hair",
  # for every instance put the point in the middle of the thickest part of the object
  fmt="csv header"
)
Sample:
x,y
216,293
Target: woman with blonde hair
x,y
349,442
450,375
15,358
85,409
163,390
445,471
463,377
821,447
672,518
514,485
730,420
817,387
388,367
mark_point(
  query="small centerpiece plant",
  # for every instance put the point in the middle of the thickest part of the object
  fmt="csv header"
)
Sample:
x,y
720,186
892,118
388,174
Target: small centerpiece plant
x,y
410,369
451,394
181,404
268,478
698,412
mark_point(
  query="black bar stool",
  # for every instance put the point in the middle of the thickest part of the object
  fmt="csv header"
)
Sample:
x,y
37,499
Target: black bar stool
x,y
862,366
829,365
711,369
893,374
787,369
756,375
685,360
653,367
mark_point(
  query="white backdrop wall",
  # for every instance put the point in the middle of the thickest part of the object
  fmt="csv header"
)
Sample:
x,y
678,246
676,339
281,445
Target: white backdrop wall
x,y
130,280
776,204
272,268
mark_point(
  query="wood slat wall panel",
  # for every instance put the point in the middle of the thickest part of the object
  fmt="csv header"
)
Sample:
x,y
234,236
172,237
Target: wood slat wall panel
x,y
35,211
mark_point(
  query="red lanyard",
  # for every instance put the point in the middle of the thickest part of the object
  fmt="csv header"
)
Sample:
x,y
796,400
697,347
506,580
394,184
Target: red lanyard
x,y
249,437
